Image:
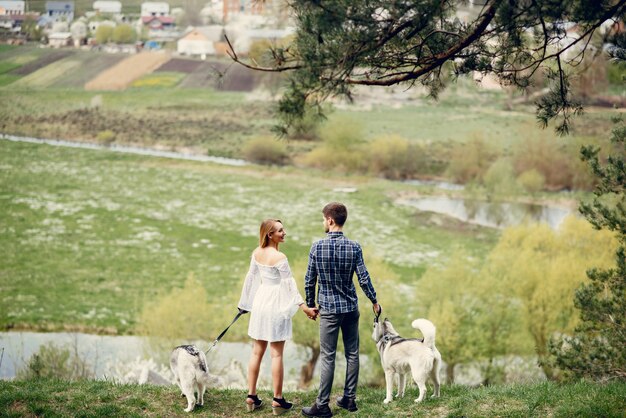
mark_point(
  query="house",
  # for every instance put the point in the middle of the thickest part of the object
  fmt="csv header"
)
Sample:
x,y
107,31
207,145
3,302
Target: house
x,y
12,15
249,7
201,41
60,10
155,9
157,23
108,7
59,39
242,39
8,8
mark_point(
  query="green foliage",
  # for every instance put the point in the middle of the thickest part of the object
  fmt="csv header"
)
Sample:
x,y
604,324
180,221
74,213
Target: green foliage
x,y
394,157
386,43
470,161
499,180
521,293
184,313
266,150
106,136
532,181
104,34
541,268
341,149
596,348
616,72
122,34
52,362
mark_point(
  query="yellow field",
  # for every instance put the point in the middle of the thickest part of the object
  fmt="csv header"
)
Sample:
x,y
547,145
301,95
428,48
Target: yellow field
x,y
124,73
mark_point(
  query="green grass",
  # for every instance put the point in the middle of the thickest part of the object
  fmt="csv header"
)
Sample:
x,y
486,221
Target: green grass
x,y
88,237
54,398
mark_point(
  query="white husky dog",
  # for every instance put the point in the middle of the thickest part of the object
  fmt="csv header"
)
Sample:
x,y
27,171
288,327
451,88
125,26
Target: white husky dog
x,y
400,356
190,371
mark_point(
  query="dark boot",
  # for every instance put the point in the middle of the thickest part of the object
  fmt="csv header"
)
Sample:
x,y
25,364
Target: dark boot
x,y
347,403
317,411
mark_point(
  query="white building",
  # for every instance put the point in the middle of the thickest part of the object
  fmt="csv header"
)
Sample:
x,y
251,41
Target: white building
x,y
12,7
154,8
60,10
110,7
200,41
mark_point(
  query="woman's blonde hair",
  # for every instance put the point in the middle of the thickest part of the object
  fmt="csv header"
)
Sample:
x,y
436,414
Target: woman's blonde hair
x,y
267,227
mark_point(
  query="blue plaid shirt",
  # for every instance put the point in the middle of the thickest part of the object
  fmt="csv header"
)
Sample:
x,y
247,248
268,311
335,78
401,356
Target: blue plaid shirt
x,y
332,262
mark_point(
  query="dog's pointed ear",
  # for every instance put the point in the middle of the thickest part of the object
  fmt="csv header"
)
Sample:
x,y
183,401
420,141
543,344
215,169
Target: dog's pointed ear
x,y
386,319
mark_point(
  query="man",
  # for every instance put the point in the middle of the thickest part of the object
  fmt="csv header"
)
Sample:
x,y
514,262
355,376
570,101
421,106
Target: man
x,y
332,263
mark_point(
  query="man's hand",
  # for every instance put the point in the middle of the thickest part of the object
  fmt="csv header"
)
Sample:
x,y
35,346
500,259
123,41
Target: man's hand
x,y
377,309
311,313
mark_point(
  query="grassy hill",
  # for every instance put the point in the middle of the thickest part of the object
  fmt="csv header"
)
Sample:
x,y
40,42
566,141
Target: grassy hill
x,y
52,398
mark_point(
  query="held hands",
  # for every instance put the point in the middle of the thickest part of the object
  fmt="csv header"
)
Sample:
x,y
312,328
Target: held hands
x,y
311,313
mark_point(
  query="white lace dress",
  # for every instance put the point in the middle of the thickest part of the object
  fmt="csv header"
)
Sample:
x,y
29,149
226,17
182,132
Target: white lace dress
x,y
271,295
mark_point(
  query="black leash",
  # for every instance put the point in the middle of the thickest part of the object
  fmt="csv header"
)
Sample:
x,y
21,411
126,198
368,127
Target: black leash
x,y
219,337
376,316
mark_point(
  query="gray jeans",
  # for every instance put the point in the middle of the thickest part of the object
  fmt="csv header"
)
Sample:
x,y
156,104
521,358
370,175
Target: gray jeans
x,y
330,324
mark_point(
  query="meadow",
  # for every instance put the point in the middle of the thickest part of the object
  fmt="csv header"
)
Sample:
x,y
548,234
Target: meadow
x,y
89,237
103,242
103,399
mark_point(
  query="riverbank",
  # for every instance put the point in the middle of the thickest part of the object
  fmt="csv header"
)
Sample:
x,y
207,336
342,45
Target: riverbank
x,y
104,399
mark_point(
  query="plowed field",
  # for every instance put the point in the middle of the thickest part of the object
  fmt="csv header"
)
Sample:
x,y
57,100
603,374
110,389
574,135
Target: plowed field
x,y
121,75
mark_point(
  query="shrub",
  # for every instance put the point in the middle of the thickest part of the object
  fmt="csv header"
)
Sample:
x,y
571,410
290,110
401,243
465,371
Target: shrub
x,y
123,34
106,137
547,156
104,33
470,161
342,148
266,150
500,178
55,362
394,157
532,181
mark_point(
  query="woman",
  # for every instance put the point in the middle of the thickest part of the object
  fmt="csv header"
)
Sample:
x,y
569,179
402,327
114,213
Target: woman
x,y
270,294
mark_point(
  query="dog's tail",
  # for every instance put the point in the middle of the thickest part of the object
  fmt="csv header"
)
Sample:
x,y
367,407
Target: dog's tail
x,y
428,330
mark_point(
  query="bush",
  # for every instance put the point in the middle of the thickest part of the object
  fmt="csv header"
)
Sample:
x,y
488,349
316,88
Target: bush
x,y
469,162
342,148
500,179
394,157
547,156
55,362
532,181
104,34
124,34
266,150
106,137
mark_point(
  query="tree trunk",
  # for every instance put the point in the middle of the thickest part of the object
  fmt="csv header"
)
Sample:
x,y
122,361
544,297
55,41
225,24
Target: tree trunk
x,y
306,373
450,373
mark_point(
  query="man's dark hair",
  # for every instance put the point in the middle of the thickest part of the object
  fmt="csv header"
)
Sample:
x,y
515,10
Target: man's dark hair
x,y
337,211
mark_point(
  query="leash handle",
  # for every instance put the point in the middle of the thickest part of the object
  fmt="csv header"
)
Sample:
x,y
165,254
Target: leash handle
x,y
380,312
219,337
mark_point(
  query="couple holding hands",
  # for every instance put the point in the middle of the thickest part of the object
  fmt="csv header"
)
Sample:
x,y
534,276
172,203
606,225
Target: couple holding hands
x,y
271,296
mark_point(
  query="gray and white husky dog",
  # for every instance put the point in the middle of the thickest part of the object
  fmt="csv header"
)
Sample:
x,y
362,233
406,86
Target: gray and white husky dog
x,y
191,372
399,356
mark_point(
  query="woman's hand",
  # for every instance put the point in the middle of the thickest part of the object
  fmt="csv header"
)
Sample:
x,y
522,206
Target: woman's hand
x,y
311,313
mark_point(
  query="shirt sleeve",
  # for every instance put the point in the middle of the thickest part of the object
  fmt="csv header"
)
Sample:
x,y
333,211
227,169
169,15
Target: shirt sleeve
x,y
250,287
310,279
290,283
364,277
